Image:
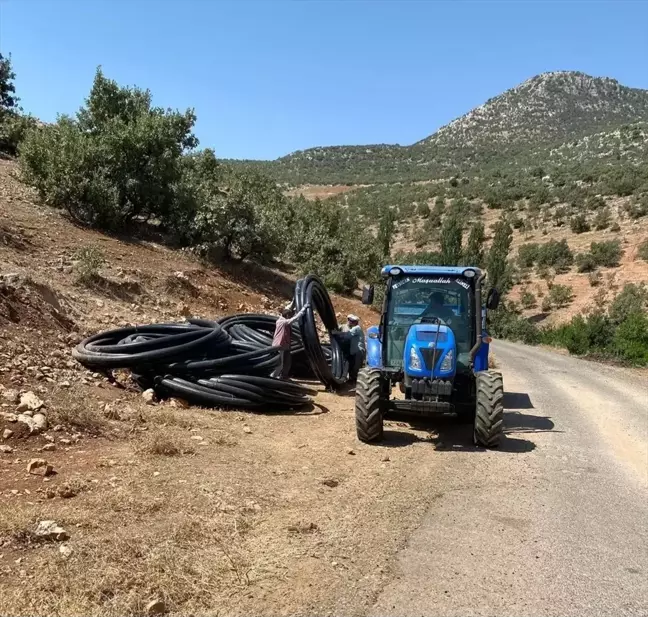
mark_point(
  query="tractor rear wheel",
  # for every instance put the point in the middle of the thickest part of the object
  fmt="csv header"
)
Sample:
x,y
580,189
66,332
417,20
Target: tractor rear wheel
x,y
489,416
368,407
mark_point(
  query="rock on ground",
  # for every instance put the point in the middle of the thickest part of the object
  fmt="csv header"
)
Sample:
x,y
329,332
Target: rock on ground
x,y
50,530
29,402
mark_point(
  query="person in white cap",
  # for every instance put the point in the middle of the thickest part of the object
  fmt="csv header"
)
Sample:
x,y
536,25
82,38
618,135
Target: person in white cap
x,y
281,339
357,346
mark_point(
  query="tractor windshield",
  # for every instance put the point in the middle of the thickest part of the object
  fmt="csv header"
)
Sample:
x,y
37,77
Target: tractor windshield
x,y
416,299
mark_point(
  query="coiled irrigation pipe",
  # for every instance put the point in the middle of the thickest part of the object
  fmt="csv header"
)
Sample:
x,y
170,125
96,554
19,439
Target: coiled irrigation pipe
x,y
226,362
331,369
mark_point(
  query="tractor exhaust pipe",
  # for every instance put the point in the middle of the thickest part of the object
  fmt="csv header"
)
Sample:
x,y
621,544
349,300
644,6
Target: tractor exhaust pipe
x,y
478,317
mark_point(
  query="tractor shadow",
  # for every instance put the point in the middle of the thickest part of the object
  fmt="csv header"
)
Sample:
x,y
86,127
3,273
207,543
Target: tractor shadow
x,y
448,434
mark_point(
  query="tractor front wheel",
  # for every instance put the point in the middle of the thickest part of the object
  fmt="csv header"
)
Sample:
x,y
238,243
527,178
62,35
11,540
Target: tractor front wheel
x,y
489,416
368,407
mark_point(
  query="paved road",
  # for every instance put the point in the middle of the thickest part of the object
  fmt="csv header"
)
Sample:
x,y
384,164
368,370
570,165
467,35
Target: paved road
x,y
556,523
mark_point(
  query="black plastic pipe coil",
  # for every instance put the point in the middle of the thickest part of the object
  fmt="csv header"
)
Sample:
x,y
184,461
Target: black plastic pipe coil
x,y
225,362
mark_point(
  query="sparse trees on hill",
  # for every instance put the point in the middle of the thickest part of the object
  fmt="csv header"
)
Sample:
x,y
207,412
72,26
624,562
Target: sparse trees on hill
x,y
474,252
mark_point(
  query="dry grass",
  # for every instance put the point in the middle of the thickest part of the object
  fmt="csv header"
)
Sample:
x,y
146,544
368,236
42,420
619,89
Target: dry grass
x,y
74,413
164,443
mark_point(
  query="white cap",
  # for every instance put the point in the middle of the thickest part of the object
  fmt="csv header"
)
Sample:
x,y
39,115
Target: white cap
x,y
353,318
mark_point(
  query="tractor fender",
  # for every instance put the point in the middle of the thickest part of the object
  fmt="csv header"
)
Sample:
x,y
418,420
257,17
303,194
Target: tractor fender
x,y
374,347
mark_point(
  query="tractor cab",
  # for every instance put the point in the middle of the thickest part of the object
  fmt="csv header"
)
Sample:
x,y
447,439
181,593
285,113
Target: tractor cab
x,y
431,342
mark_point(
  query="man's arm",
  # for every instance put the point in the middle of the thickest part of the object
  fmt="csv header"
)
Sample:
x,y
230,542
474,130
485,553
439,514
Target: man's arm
x,y
299,315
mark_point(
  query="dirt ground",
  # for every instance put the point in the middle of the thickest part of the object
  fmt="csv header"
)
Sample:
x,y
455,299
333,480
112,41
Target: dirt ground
x,y
168,509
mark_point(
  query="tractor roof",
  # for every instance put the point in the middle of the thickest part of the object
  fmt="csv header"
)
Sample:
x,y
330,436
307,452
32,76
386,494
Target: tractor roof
x,y
451,270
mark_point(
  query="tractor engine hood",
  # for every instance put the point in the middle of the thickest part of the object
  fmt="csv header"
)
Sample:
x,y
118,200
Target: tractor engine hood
x,y
430,351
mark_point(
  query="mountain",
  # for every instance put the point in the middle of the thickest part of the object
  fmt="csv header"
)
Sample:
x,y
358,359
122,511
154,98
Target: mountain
x,y
525,123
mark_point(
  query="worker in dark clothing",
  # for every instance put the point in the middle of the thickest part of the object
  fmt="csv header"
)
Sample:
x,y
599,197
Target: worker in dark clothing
x,y
437,308
281,339
356,347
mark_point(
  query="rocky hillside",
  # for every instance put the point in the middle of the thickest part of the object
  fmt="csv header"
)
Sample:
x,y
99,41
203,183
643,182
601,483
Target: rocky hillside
x,y
558,111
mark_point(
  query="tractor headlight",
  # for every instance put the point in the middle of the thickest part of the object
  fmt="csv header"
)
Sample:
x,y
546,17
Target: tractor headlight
x,y
446,364
414,360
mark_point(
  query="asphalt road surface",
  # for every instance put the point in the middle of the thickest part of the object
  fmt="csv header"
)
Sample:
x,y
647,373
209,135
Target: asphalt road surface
x,y
556,521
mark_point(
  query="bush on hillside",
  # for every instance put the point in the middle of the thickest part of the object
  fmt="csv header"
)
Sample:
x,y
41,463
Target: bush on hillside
x,y
631,339
642,250
118,160
607,253
556,254
226,215
578,224
528,300
602,219
560,295
633,298
585,262
527,255
507,323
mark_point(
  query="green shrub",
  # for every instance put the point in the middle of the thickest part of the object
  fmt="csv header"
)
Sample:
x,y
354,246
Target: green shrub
x,y
88,263
594,278
561,295
578,224
633,298
585,262
527,255
639,208
119,159
556,254
528,300
508,324
546,304
602,219
582,335
595,203
615,227
422,209
642,250
607,253
631,339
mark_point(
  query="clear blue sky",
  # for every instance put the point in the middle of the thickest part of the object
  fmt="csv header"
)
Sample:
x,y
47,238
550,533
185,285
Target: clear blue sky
x,y
269,77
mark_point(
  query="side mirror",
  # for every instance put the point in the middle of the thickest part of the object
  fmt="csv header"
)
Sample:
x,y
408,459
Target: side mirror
x,y
493,299
368,294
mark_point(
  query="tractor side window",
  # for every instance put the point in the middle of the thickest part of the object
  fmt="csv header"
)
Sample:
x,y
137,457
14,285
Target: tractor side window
x,y
416,299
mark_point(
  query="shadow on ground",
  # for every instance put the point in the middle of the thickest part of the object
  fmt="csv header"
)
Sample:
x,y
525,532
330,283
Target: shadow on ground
x,y
447,433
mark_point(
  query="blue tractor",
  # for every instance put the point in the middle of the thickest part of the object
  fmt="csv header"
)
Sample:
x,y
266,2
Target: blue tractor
x,y
432,342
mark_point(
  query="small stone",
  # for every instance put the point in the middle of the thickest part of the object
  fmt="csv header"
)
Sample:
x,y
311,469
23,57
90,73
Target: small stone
x,y
48,447
11,396
179,403
58,428
65,384
39,466
40,422
247,429
7,433
64,441
49,530
156,607
385,458
48,438
66,551
351,451
29,402
331,482
156,474
197,437
9,417
6,449
149,396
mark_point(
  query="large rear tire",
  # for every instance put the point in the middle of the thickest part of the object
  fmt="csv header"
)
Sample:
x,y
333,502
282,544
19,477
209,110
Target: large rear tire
x,y
489,416
368,406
